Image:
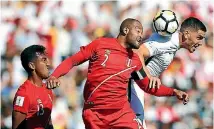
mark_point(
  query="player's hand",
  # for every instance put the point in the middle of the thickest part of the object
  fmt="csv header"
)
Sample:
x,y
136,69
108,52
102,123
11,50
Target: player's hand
x,y
154,82
182,96
52,82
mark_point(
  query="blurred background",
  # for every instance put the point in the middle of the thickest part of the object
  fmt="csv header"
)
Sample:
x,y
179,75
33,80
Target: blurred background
x,y
63,26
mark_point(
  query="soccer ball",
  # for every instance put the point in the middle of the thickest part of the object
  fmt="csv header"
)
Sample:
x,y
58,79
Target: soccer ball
x,y
165,23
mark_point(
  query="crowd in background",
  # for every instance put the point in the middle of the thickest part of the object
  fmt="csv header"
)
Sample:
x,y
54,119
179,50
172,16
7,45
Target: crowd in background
x,y
63,26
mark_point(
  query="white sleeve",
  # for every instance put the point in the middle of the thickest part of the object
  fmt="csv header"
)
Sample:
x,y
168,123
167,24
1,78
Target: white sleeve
x,y
157,64
150,45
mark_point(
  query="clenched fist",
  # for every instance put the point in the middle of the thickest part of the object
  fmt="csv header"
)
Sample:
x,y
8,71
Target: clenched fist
x,y
52,82
181,96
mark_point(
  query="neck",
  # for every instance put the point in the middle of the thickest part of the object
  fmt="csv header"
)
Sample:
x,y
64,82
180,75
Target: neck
x,y
121,39
36,80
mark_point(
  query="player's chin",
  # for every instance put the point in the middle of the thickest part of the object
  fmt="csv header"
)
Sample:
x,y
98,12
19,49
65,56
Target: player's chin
x,y
191,50
45,75
136,45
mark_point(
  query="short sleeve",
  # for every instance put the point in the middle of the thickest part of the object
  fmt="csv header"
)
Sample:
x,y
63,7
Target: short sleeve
x,y
150,45
21,102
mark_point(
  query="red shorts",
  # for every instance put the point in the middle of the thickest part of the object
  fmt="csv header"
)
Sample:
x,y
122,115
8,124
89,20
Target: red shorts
x,y
111,118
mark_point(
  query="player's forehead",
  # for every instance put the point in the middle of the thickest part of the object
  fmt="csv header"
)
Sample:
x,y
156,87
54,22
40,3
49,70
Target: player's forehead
x,y
137,25
41,55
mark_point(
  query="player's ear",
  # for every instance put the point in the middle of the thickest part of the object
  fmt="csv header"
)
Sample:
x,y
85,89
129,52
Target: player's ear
x,y
186,34
31,65
183,37
125,30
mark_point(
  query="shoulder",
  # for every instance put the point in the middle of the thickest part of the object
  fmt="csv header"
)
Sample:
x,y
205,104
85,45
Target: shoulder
x,y
104,40
105,43
175,39
22,97
101,42
155,37
25,89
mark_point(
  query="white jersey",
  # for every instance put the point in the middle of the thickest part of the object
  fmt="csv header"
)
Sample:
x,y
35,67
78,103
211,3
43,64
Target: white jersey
x,y
162,51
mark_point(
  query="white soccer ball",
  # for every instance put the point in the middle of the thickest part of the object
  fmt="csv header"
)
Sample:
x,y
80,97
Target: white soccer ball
x,y
165,22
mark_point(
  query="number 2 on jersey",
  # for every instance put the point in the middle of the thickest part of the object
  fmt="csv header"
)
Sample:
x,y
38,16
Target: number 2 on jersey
x,y
104,62
107,52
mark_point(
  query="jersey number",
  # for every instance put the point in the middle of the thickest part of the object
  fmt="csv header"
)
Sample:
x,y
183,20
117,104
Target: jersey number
x,y
40,108
104,62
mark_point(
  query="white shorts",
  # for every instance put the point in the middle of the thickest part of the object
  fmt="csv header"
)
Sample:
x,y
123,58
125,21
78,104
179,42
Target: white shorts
x,y
137,101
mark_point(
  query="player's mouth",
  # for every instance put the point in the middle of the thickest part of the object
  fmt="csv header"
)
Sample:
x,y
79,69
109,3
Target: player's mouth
x,y
139,40
138,43
48,68
194,47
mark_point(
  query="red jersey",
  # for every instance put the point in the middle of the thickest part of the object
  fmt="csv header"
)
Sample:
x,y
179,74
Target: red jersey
x,y
110,67
36,103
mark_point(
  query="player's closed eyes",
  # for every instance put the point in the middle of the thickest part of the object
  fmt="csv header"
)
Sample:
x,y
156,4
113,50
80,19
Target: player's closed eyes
x,y
44,59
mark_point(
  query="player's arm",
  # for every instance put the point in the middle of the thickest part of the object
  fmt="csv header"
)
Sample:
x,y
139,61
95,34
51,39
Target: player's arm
x,y
144,53
143,82
20,108
83,55
17,119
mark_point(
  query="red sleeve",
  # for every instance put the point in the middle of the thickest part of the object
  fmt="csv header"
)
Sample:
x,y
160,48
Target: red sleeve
x,y
83,55
162,91
21,102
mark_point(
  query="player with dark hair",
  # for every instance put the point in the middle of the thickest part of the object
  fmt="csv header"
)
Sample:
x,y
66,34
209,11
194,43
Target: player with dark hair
x,y
111,63
32,103
160,51
192,24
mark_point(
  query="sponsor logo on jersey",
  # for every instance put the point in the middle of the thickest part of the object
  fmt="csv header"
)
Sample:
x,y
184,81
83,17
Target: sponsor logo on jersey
x,y
107,51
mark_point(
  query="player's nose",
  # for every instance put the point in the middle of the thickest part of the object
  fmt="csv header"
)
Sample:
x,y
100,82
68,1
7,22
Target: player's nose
x,y
48,63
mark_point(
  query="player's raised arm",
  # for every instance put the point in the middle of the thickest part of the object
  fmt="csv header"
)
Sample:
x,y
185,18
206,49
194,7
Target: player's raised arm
x,y
144,53
85,53
143,83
